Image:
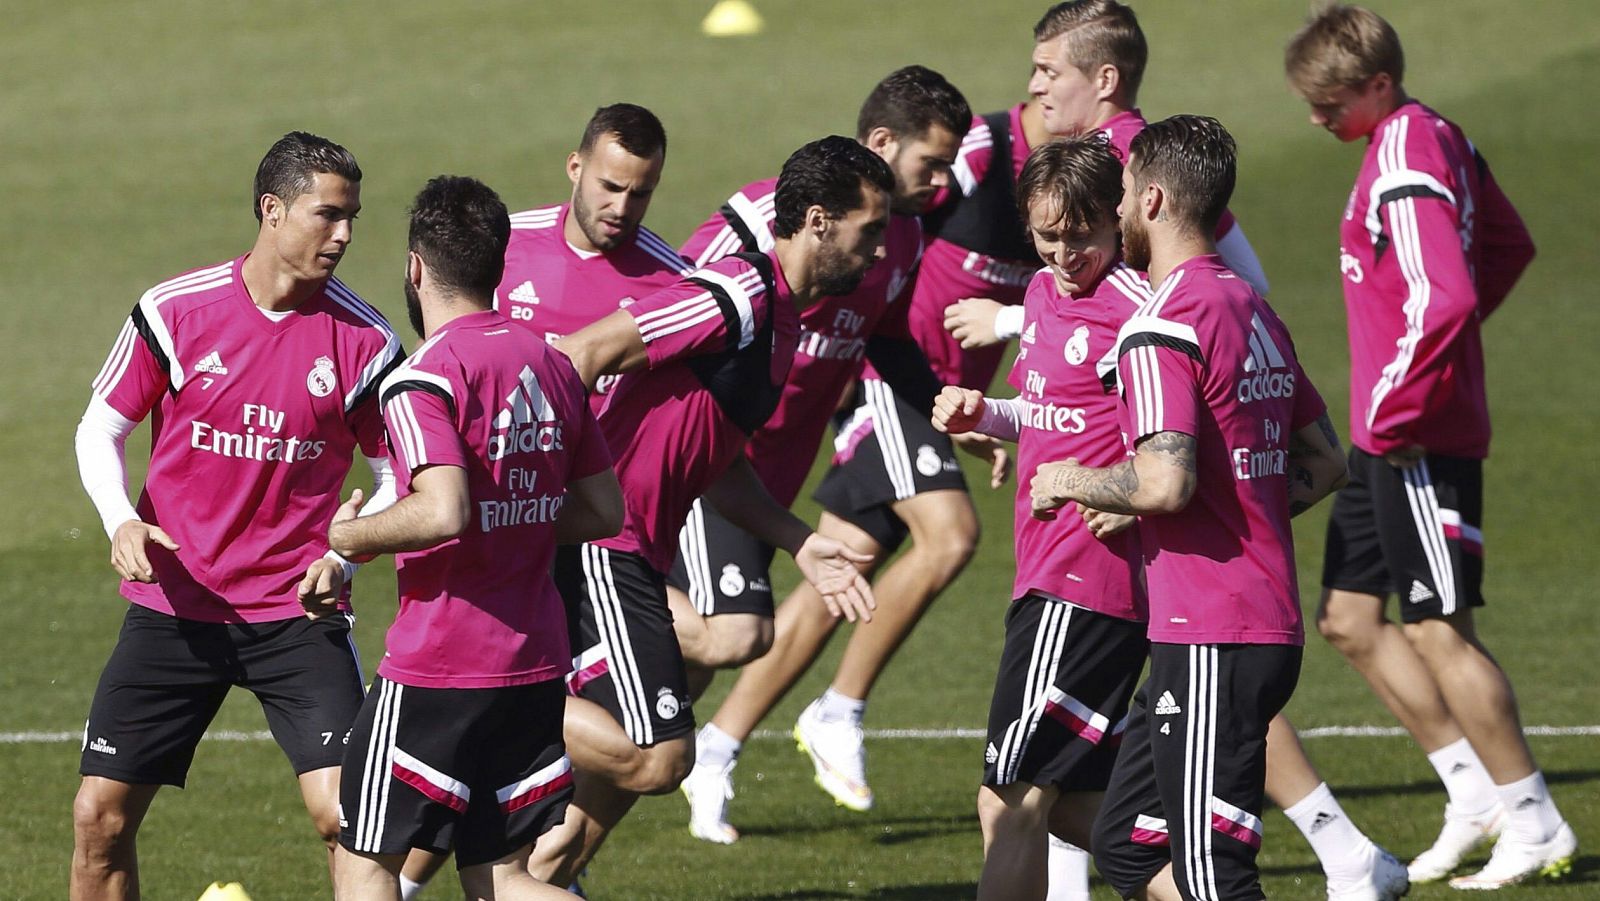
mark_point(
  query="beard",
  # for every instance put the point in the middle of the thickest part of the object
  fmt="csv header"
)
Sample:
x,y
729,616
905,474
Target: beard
x,y
414,308
589,224
1135,244
836,274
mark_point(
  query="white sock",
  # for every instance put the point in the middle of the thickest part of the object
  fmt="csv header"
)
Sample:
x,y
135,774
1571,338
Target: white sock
x,y
1069,872
715,748
1465,780
1531,815
1336,841
836,708
409,890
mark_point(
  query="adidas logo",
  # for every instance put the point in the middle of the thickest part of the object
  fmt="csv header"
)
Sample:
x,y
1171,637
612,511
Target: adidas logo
x,y
1420,592
1029,335
524,293
991,753
212,364
1322,819
1526,802
526,423
1266,373
1167,705
1458,766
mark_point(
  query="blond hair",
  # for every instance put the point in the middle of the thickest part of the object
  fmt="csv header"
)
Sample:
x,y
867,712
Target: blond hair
x,y
1342,46
1101,32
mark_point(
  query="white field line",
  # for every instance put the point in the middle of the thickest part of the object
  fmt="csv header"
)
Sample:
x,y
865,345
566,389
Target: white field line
x,y
49,738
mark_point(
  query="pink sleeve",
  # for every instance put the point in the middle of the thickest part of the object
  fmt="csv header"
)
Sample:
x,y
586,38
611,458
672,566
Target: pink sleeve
x,y
1159,365
972,164
1441,299
420,415
1505,247
133,376
713,240
711,310
744,223
1308,403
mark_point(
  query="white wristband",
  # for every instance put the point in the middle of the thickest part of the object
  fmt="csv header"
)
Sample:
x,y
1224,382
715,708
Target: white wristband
x,y
1008,322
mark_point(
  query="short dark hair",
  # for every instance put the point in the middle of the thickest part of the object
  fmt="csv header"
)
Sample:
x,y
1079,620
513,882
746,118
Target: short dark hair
x,y
1194,159
911,100
287,169
828,173
460,229
1102,32
1081,176
635,128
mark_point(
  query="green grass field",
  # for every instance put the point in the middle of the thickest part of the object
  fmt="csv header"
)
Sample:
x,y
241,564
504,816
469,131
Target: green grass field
x,y
128,137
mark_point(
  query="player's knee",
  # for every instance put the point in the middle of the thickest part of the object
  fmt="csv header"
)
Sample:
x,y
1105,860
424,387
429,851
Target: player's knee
x,y
664,767
948,548
100,827
326,822
742,642
1437,639
1020,811
1352,633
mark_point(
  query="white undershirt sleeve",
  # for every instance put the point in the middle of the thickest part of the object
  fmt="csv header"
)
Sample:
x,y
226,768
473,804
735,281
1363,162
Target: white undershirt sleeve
x,y
100,442
1002,417
1239,256
1008,322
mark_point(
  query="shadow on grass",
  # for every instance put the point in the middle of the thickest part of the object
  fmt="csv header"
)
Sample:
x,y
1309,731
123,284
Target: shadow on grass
x,y
942,891
890,831
1568,777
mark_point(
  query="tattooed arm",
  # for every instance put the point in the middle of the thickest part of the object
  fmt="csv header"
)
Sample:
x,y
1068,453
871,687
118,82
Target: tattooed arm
x,y
1160,478
1316,465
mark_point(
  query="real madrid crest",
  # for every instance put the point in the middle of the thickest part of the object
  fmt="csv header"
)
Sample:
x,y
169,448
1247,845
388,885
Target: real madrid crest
x,y
320,381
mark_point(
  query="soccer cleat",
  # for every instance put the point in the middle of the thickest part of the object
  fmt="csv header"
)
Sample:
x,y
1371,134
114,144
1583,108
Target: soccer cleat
x,y
1385,879
1458,838
1515,860
709,790
839,756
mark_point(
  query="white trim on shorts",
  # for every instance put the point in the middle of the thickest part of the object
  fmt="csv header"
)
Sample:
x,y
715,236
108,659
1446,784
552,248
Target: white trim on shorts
x,y
376,769
891,438
1049,640
1200,773
1430,532
693,548
612,625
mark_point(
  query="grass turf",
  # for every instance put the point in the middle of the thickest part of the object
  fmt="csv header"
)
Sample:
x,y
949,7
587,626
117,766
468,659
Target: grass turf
x,y
128,134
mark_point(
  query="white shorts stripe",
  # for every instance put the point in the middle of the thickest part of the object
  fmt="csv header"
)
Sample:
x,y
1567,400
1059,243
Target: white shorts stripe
x,y
1043,663
1425,512
891,438
692,546
613,628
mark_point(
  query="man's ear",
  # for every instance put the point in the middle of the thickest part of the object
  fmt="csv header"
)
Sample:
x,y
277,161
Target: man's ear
x,y
817,220
574,167
882,141
414,268
272,209
1107,82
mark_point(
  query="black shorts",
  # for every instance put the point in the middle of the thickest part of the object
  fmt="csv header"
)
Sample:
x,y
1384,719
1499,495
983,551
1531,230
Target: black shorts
x,y
1061,697
1414,532
167,678
902,456
1189,779
482,770
626,656
721,567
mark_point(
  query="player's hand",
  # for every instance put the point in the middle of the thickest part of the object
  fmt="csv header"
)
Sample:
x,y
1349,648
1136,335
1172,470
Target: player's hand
x,y
128,555
319,590
971,321
1405,457
1044,491
991,451
347,511
1103,525
834,570
957,410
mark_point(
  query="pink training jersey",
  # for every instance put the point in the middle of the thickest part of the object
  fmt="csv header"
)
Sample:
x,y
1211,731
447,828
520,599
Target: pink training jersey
x,y
719,346
254,422
481,610
1207,357
951,271
1066,362
555,289
833,333
1429,247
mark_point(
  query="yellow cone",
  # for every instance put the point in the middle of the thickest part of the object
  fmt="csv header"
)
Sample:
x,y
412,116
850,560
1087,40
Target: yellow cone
x,y
233,891
732,18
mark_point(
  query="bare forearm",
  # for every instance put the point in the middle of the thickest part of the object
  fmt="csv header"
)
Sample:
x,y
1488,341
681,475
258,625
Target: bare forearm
x,y
1114,489
412,524
1316,465
743,500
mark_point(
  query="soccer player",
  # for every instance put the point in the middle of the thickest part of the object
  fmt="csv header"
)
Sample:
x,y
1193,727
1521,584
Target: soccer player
x,y
1075,632
259,373
706,360
720,586
570,264
499,457
1429,247
1089,58
1229,440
